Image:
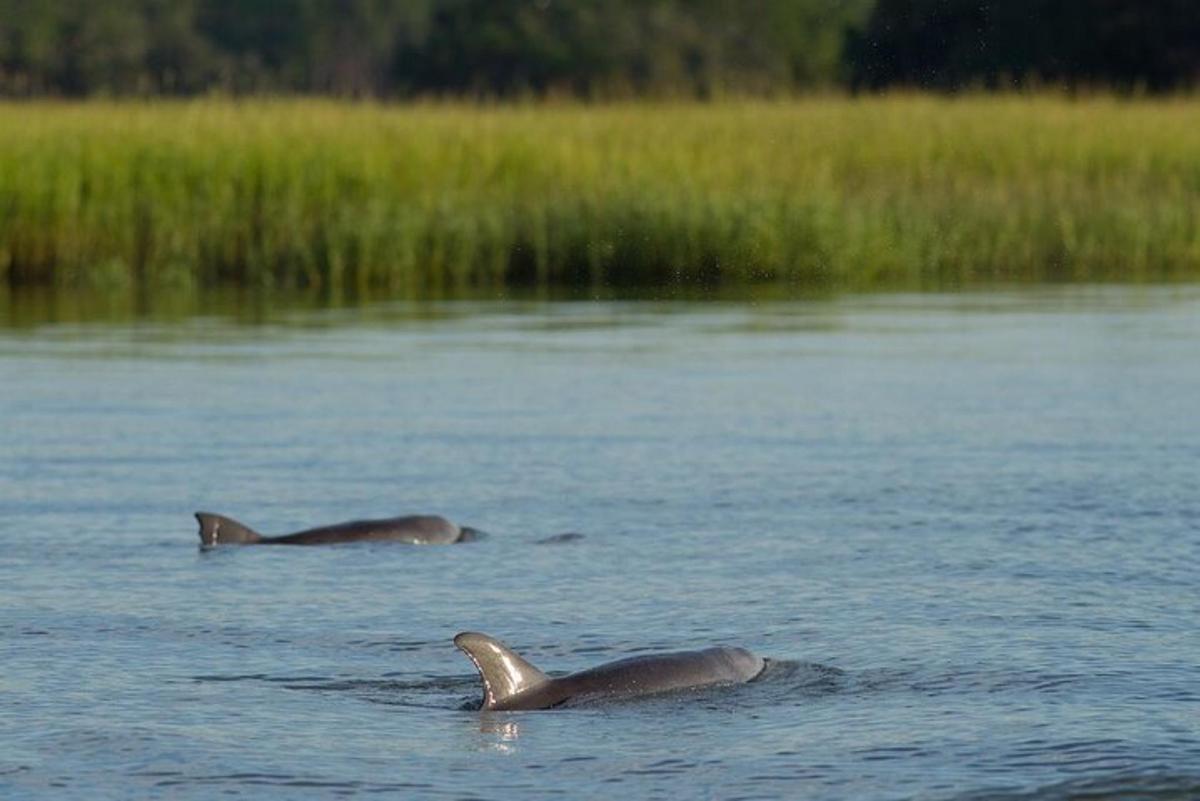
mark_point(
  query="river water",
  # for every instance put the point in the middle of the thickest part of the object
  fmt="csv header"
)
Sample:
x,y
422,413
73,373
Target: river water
x,y
965,528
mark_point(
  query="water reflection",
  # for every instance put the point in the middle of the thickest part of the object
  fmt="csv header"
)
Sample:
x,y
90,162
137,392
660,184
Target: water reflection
x,y
28,307
497,733
988,520
774,308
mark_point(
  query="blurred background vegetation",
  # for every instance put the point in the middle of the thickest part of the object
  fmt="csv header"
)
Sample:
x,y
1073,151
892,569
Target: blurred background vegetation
x,y
589,48
735,142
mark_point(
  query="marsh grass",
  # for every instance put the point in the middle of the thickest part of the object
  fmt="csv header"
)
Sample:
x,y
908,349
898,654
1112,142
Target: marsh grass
x,y
910,191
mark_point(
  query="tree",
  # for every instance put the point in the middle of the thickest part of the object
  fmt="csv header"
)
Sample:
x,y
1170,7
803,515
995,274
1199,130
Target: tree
x,y
953,43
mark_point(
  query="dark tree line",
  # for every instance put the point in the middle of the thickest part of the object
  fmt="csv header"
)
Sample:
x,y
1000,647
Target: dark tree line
x,y
409,47
949,44
398,48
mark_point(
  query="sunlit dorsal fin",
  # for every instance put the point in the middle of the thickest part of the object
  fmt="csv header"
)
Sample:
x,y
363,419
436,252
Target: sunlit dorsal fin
x,y
221,530
504,673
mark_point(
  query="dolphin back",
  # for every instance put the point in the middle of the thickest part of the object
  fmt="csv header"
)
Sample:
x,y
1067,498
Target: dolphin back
x,y
511,683
507,678
412,529
219,530
657,673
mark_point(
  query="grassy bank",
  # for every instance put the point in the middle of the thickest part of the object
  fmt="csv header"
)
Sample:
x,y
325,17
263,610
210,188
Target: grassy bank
x,y
909,191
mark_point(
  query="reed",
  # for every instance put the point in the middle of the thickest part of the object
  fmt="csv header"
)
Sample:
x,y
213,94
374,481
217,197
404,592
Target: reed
x,y
913,191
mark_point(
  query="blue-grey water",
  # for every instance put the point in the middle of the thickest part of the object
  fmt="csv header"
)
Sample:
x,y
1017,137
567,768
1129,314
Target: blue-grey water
x,y
965,528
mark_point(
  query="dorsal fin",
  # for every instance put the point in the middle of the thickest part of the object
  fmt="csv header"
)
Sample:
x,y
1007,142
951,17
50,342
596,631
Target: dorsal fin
x,y
220,530
504,673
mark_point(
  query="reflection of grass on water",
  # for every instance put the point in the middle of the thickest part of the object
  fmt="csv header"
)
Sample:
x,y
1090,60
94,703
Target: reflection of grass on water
x,y
33,306
902,191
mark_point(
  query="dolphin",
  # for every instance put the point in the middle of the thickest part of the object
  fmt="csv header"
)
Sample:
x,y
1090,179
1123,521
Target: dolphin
x,y
511,683
414,529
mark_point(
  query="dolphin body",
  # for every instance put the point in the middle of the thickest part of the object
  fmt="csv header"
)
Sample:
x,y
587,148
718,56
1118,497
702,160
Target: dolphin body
x,y
511,683
414,529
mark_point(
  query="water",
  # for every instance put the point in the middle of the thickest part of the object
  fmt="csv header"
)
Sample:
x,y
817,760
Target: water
x,y
965,527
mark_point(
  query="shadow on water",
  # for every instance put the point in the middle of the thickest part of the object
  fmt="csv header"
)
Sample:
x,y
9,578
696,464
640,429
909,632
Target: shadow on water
x,y
224,314
1167,787
560,539
235,781
32,307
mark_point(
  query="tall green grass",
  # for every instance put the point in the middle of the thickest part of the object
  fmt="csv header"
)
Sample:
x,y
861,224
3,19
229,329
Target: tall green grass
x,y
907,190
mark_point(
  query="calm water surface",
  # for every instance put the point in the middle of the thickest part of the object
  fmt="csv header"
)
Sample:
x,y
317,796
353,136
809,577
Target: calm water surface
x,y
965,527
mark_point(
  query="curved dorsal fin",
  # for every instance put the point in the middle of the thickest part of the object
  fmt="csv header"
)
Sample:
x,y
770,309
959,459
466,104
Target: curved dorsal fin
x,y
220,530
504,673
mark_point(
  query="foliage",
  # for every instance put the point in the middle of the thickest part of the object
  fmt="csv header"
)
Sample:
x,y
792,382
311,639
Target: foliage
x,y
421,47
910,191
588,48
1127,44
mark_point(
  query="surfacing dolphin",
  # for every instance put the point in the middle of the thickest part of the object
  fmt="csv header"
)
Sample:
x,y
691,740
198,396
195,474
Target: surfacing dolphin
x,y
414,529
510,683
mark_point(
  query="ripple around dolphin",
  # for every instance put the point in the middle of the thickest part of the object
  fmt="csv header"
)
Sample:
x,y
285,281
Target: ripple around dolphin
x,y
780,681
968,680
